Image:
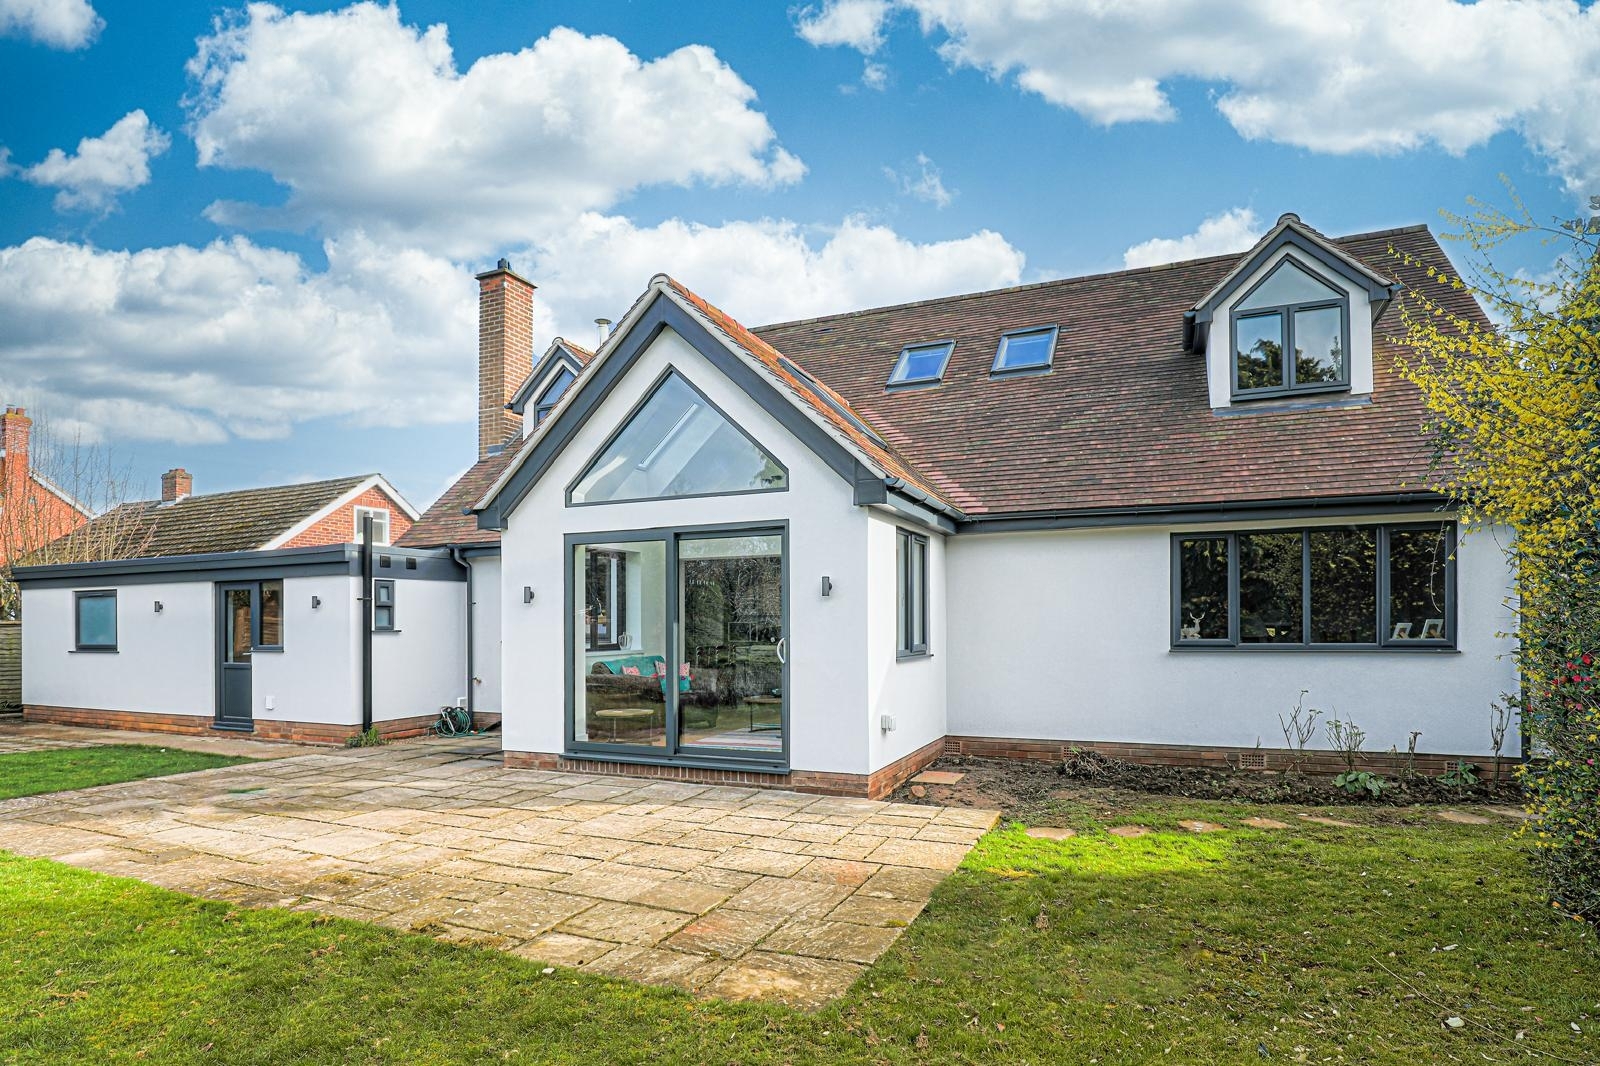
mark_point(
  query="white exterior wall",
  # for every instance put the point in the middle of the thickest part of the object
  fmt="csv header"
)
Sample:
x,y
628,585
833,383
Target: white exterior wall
x,y
912,690
317,676
486,644
420,666
164,663
828,638
1080,649
1219,342
167,663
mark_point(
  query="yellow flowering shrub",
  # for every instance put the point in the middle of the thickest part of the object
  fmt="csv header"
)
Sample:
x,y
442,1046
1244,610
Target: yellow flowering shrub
x,y
1514,416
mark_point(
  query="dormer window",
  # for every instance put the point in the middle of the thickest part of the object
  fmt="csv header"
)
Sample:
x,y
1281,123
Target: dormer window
x,y
1290,310
1025,351
552,393
921,364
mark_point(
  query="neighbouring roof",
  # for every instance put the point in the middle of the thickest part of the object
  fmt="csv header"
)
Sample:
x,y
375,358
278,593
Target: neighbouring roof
x,y
445,523
1123,421
243,520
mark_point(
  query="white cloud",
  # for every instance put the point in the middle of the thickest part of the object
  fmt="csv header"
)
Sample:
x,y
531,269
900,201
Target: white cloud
x,y
856,24
764,271
875,76
233,339
925,183
114,162
65,24
1231,231
369,123
1334,76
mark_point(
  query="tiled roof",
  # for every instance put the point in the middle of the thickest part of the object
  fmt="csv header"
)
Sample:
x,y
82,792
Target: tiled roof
x,y
1124,419
244,520
443,523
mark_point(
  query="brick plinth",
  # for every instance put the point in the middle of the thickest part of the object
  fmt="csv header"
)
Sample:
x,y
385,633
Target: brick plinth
x,y
870,786
1317,762
264,728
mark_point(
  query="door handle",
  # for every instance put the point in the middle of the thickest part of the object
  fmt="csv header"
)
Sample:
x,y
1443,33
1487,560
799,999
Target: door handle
x,y
783,647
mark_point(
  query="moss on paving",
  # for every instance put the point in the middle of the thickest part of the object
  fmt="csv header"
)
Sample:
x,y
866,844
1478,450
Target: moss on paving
x,y
1311,944
31,773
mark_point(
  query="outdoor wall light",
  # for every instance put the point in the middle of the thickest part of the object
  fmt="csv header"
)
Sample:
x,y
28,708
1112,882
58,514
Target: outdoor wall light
x,y
316,601
827,586
160,607
527,594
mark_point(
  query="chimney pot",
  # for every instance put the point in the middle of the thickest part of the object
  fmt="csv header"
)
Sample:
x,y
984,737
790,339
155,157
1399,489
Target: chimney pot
x,y
603,327
176,484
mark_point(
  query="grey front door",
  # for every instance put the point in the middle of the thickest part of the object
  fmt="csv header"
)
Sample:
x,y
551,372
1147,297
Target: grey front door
x,y
236,626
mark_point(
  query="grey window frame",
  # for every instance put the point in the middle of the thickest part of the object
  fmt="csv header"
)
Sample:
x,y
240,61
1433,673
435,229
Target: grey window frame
x,y
542,406
388,584
911,620
260,605
77,619
998,371
896,382
388,523
1286,313
1381,530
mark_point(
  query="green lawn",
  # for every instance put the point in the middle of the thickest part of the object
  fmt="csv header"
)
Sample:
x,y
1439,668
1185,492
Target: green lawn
x,y
1306,945
54,770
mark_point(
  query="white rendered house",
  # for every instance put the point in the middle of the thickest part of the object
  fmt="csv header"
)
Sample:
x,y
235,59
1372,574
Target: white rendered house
x,y
1112,511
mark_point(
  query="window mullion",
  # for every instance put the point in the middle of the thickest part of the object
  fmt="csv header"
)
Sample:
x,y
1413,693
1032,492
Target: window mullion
x,y
1233,588
1305,587
1383,586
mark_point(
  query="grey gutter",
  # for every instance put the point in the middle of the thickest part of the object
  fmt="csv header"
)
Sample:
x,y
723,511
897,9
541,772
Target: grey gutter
x,y
1232,511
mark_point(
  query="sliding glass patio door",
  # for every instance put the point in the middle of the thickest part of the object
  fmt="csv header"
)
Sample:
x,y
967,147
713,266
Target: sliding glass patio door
x,y
678,645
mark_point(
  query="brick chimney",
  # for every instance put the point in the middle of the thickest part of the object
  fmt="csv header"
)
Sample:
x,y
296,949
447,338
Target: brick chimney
x,y
15,428
176,484
505,352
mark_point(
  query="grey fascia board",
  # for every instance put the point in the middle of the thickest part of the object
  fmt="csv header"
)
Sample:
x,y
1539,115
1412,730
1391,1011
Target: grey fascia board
x,y
320,560
1376,291
661,313
909,509
1184,514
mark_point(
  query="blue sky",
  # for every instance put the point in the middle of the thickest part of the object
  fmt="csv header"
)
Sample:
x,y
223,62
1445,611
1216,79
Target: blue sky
x,y
261,267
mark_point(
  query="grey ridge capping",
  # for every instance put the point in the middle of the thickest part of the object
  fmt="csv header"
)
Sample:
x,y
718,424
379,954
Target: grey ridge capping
x,y
432,565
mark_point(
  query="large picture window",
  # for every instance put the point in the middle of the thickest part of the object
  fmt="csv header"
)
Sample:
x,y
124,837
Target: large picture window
x,y
1290,335
911,558
1389,586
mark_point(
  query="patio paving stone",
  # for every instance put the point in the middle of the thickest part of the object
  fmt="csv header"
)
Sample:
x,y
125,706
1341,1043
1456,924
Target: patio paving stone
x,y
718,890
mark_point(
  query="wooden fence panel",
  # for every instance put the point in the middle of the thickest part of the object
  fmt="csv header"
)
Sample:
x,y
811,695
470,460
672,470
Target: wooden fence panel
x,y
10,664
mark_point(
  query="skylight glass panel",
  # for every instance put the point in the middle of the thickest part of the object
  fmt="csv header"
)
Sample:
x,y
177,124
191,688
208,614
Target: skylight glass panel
x,y
921,363
1025,349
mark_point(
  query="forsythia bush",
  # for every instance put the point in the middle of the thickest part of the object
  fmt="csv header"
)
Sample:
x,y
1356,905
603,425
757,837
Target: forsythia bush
x,y
1515,421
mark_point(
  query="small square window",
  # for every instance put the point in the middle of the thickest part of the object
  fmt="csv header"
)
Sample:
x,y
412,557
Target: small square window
x,y
1025,349
95,624
921,364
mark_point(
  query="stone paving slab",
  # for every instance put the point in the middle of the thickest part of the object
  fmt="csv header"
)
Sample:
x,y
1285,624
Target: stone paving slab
x,y
18,736
732,892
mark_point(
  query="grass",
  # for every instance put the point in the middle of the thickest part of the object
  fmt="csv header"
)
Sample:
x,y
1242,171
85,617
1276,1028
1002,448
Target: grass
x,y
30,773
1312,944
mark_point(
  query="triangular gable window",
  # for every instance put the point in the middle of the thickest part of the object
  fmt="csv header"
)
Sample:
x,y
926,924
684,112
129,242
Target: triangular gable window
x,y
677,444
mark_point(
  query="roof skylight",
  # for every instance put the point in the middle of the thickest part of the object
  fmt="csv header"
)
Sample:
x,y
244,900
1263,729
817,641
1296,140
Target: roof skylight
x,y
1025,350
921,364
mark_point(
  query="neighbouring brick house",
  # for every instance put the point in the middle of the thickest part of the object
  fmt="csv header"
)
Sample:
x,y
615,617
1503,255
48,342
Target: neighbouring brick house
x,y
33,509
